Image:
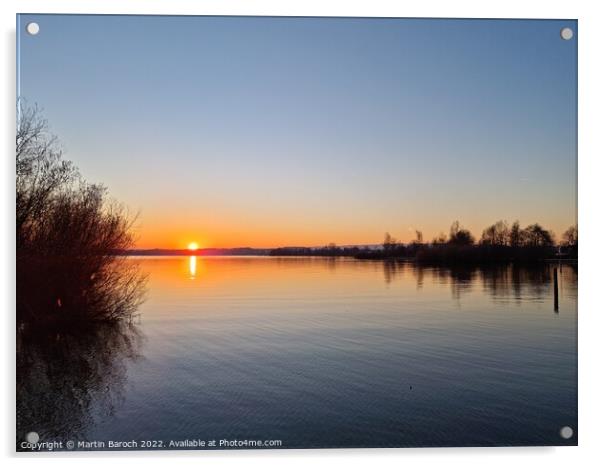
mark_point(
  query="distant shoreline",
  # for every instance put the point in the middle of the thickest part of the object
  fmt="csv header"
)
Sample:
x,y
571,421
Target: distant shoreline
x,y
248,251
426,255
197,252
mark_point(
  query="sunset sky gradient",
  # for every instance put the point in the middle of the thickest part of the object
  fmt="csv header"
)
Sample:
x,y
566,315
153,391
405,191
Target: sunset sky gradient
x,y
268,132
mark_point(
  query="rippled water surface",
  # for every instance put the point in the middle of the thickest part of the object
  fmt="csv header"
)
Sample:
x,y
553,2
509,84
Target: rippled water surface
x,y
319,352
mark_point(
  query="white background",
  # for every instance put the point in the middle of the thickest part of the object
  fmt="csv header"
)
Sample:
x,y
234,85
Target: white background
x,y
590,225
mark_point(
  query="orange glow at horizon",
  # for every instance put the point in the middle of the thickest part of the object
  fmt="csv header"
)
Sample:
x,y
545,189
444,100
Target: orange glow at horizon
x,y
177,230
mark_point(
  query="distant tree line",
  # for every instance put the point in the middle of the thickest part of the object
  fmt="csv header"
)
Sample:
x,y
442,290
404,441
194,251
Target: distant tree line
x,y
330,250
498,243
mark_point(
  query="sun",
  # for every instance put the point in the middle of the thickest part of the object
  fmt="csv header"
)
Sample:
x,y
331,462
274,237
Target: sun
x,y
193,246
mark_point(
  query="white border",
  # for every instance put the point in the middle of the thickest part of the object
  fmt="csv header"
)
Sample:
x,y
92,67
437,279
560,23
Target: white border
x,y
590,223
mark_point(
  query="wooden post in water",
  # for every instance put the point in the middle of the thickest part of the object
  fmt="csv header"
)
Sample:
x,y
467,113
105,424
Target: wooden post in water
x,y
555,289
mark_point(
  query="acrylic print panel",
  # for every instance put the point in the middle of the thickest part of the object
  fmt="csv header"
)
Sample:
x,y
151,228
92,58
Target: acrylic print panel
x,y
255,232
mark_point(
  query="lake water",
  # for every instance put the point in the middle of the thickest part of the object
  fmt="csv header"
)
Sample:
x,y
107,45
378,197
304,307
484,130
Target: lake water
x,y
319,352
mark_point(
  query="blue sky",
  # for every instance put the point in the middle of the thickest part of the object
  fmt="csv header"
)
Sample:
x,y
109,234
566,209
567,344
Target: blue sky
x,y
272,131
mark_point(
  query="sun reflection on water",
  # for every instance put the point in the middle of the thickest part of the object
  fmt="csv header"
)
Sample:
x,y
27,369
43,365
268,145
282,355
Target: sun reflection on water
x,y
192,267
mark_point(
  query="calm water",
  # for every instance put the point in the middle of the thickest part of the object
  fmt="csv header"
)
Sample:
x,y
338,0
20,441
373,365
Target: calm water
x,y
320,353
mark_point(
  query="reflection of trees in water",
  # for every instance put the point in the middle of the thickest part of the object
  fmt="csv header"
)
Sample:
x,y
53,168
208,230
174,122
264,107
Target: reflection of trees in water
x,y
461,280
504,283
568,277
500,282
516,282
65,380
332,263
419,274
393,269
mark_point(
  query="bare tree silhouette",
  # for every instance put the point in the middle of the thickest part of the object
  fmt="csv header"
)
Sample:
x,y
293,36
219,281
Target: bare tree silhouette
x,y
497,234
515,235
536,236
68,233
459,236
569,237
439,239
419,237
65,378
570,241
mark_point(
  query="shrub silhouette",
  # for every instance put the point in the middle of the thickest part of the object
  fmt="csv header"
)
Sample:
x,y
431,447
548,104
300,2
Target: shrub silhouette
x,y
68,234
569,237
536,236
459,236
570,241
